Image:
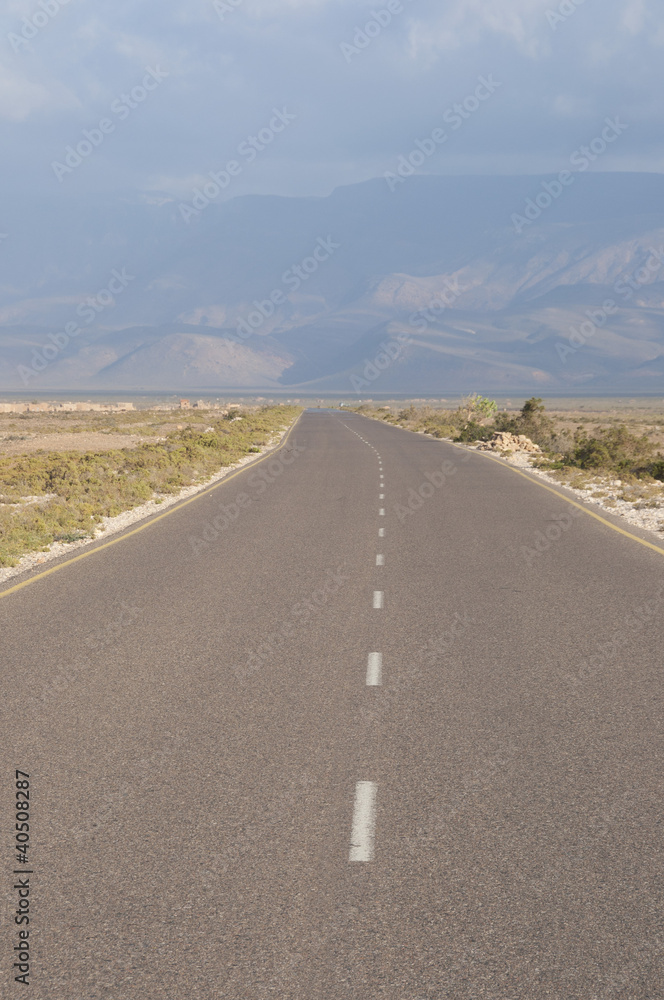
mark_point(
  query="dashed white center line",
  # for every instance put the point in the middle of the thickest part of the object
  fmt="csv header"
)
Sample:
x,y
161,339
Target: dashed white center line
x,y
382,512
380,560
381,496
378,599
375,670
364,822
381,532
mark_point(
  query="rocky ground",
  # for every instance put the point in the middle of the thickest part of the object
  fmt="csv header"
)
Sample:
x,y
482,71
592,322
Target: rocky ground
x,y
640,503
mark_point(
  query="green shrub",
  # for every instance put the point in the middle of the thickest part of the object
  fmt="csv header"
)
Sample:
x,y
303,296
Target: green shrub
x,y
80,488
656,470
613,449
474,432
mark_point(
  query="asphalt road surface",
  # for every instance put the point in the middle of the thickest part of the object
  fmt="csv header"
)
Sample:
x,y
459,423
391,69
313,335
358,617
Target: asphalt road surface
x,y
377,717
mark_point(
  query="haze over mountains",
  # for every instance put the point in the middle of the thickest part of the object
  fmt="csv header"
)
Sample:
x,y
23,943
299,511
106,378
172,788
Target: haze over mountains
x,y
271,292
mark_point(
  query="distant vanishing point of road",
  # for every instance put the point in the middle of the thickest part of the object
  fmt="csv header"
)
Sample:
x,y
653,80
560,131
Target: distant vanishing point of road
x,y
330,732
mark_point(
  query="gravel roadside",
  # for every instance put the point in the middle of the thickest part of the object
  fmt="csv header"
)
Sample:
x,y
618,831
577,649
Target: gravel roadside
x,y
650,519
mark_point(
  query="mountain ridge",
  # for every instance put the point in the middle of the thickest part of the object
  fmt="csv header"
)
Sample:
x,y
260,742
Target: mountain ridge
x,y
246,297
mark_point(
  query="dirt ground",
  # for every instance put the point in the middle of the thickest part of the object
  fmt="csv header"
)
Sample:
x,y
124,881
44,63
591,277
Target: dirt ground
x,y
69,442
639,421
20,434
24,433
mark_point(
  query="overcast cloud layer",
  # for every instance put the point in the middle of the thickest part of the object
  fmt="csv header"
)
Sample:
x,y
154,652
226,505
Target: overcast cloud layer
x,y
558,70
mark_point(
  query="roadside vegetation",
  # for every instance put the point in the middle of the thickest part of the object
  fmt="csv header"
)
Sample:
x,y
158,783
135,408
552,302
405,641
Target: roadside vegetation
x,y
50,495
632,454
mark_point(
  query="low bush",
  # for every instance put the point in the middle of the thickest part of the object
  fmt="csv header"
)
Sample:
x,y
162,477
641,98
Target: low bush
x,y
49,495
657,469
613,450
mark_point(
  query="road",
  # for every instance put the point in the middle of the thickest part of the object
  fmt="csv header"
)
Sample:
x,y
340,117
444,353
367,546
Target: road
x,y
299,739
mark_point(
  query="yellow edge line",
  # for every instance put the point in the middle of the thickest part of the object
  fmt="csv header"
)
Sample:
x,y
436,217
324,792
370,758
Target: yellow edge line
x,y
590,513
149,521
536,482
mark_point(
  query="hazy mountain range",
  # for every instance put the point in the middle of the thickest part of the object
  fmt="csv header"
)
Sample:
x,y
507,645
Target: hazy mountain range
x,y
466,291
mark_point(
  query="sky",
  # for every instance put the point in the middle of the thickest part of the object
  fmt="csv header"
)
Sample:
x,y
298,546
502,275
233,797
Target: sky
x,y
297,97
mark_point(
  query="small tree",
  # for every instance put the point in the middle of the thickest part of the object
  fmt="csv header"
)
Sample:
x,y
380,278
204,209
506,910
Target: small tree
x,y
532,408
468,418
539,427
486,407
477,406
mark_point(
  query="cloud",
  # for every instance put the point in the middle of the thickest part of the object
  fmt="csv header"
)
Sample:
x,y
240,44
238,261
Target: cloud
x,y
467,22
21,97
634,16
353,118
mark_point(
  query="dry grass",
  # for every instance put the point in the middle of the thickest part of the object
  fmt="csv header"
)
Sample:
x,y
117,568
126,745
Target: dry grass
x,y
52,492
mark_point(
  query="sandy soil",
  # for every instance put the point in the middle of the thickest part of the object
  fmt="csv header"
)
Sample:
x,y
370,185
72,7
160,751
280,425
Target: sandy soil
x,y
90,441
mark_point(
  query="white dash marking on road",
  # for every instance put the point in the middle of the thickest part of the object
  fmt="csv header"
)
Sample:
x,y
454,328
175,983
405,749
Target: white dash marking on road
x,y
378,599
364,822
375,670
382,512
381,532
380,560
381,496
